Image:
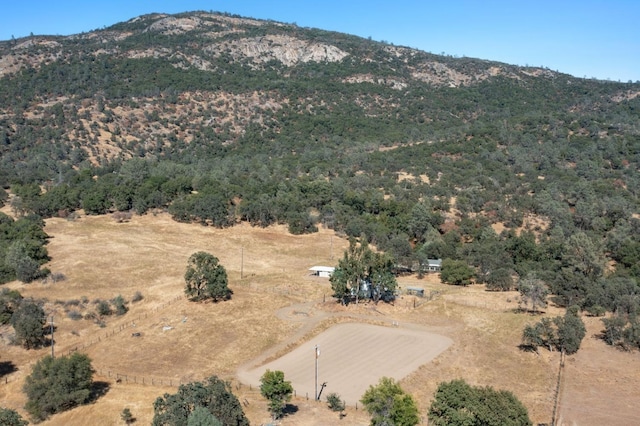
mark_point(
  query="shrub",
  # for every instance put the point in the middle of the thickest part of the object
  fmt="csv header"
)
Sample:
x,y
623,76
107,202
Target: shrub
x,y
120,305
74,315
335,403
137,297
104,308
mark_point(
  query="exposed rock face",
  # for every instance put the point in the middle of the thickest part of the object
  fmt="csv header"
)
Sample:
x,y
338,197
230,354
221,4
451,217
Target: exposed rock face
x,y
286,49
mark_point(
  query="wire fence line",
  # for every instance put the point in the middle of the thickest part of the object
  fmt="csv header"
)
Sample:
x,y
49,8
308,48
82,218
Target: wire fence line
x,y
95,339
116,330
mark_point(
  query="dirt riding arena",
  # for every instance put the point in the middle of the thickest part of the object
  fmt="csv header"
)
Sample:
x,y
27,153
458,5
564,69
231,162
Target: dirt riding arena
x,y
353,357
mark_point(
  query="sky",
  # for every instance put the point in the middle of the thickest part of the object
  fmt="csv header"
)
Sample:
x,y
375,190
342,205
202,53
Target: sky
x,y
585,38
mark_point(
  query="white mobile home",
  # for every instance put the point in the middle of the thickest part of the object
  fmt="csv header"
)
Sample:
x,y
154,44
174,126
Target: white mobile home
x,y
322,271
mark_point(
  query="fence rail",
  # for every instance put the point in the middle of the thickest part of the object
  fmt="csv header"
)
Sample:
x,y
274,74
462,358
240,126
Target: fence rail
x,y
101,336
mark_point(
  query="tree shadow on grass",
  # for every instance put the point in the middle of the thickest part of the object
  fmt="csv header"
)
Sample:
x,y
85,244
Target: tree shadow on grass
x,y
98,389
289,409
6,368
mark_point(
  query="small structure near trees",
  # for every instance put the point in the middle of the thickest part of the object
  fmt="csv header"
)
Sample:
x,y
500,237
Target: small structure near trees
x,y
434,265
322,271
416,291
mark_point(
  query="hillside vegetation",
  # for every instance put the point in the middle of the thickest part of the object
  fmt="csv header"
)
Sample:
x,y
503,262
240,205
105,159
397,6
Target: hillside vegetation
x,y
516,171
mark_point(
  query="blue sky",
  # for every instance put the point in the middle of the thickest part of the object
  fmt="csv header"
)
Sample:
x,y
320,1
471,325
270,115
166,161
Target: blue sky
x,y
586,38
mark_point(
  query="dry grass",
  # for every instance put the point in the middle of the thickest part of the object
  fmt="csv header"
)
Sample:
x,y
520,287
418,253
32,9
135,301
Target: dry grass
x,y
268,273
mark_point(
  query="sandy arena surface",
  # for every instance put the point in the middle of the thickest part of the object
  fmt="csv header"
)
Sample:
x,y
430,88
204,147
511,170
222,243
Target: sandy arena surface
x,y
353,357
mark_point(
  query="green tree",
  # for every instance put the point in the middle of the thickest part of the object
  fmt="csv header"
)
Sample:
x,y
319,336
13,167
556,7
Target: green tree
x,y
10,417
276,390
563,333
456,272
500,279
361,268
206,278
214,395
458,404
58,384
571,331
28,322
126,416
18,257
389,405
200,416
533,292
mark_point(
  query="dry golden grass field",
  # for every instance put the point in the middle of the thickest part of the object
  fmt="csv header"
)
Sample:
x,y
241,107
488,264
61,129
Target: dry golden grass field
x,y
275,309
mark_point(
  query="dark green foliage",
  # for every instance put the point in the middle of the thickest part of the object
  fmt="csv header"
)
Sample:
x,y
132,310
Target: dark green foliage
x,y
120,305
28,321
214,395
276,390
456,272
22,248
363,274
388,404
58,384
10,417
205,278
200,416
458,404
103,308
563,333
334,402
500,279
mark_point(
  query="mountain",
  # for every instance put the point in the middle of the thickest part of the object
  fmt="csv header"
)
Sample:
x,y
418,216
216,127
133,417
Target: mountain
x,y
220,118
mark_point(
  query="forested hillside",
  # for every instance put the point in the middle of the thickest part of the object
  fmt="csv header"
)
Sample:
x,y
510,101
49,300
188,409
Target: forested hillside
x,y
220,119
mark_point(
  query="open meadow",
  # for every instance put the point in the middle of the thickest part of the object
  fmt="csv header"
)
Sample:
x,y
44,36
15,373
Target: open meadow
x,y
277,313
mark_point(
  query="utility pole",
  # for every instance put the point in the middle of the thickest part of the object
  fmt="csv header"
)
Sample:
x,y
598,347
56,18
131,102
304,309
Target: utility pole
x,y
52,354
331,250
317,351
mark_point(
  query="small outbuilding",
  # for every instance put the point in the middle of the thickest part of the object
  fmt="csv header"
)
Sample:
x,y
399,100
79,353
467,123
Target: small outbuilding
x,y
417,291
322,271
434,265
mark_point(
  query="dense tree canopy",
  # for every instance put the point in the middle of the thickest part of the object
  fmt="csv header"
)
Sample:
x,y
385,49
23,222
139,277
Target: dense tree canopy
x,y
458,404
58,384
213,394
205,278
28,321
10,417
388,404
363,274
